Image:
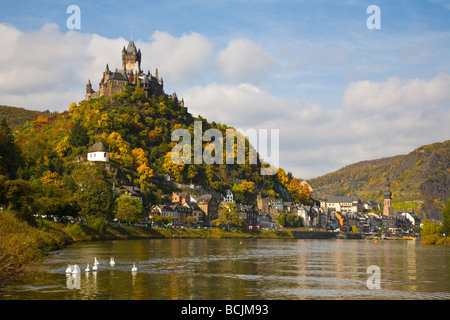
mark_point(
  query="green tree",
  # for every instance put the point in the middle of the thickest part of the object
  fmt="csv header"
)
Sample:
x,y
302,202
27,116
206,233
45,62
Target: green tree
x,y
78,136
430,232
281,219
129,209
162,220
446,219
191,221
228,215
95,198
10,155
430,228
292,220
287,219
244,192
18,198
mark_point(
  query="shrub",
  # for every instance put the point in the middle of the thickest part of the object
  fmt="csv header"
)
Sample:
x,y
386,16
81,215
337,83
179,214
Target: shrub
x,y
99,225
18,246
75,231
431,239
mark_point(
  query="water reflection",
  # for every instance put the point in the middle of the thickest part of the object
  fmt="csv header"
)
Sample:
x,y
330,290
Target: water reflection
x,y
73,281
242,269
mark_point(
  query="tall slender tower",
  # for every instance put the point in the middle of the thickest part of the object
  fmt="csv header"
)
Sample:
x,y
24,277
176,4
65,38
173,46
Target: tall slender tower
x,y
387,209
131,56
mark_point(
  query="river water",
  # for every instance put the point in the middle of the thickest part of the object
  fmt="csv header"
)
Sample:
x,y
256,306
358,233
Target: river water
x,y
239,269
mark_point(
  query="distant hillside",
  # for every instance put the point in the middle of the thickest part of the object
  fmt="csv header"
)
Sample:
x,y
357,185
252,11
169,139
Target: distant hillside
x,y
17,116
420,180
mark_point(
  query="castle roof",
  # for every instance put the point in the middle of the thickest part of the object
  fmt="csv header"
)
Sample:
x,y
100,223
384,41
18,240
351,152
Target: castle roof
x,y
116,75
340,199
131,47
145,80
98,147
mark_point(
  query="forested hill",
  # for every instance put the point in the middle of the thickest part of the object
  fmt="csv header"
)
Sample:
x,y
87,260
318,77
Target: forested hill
x,y
420,180
43,165
17,116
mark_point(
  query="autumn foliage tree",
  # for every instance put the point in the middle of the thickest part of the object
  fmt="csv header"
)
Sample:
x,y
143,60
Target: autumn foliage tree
x,y
298,191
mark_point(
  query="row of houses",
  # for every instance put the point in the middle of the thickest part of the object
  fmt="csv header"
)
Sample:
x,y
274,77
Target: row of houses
x,y
340,214
370,222
333,213
205,208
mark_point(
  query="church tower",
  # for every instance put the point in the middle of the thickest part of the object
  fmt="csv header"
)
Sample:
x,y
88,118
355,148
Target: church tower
x,y
387,209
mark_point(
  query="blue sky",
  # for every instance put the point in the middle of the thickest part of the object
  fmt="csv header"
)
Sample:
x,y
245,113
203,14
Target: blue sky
x,y
338,92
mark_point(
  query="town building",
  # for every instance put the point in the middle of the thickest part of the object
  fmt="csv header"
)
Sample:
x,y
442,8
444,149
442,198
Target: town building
x,y
227,196
131,192
210,207
342,203
248,214
98,152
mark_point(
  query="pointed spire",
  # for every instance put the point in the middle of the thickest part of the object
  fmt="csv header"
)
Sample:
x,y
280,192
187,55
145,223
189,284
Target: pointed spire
x,y
107,68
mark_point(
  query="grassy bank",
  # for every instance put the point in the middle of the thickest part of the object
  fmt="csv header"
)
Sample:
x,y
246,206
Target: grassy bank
x,y
115,232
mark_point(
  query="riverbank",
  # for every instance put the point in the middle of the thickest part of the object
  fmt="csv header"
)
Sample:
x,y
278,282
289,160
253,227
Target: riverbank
x,y
23,245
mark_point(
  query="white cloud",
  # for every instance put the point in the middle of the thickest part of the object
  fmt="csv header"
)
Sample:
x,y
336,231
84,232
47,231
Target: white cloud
x,y
378,119
177,59
40,66
395,96
243,59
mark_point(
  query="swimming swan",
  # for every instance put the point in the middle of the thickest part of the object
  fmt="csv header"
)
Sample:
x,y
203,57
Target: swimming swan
x,y
112,262
87,268
69,269
134,269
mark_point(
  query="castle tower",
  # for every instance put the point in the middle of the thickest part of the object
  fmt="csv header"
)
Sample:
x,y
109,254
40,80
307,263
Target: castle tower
x,y
89,87
131,56
387,209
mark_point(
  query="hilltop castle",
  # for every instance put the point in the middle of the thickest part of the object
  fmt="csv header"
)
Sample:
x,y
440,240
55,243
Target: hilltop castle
x,y
131,73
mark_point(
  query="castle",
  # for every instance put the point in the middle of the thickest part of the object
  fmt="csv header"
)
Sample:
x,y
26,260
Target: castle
x,y
114,81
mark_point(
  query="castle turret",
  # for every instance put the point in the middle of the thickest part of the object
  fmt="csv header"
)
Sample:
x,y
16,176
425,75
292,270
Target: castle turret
x,y
89,87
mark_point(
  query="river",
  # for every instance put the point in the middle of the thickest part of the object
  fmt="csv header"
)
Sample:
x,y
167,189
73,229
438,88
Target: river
x,y
239,269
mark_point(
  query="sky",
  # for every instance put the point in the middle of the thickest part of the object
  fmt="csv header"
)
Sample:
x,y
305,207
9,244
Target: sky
x,y
337,91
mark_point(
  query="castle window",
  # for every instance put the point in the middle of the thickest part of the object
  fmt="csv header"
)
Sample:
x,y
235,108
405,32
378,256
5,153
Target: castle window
x,y
104,155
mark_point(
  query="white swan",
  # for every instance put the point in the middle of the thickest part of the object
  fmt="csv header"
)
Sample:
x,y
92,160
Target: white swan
x,y
94,267
134,269
69,269
96,261
76,269
87,268
112,262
